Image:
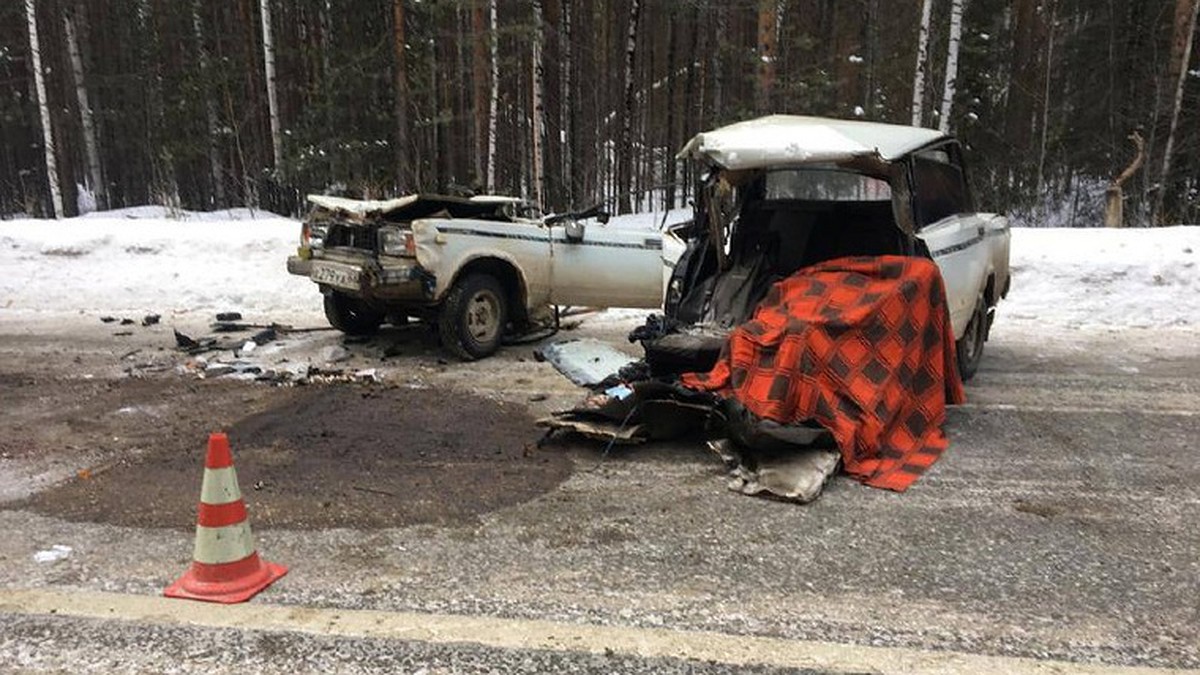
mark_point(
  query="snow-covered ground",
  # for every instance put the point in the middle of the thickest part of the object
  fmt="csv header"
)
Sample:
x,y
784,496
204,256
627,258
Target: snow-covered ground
x,y
145,260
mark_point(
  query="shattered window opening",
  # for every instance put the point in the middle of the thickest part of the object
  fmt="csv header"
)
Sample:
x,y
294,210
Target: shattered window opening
x,y
825,185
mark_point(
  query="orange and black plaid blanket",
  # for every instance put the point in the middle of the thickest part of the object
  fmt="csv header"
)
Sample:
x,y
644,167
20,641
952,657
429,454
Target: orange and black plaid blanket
x,y
864,347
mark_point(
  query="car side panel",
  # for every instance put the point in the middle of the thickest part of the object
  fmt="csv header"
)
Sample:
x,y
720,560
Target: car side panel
x,y
444,246
610,268
960,247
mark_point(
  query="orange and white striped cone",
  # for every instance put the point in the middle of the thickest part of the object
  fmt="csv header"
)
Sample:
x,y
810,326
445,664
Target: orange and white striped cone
x,y
225,566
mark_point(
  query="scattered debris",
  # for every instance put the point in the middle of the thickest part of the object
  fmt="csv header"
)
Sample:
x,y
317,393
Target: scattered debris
x,y
108,319
586,362
150,319
229,316
184,341
193,346
218,369
123,333
230,327
335,354
53,554
373,491
127,322
262,337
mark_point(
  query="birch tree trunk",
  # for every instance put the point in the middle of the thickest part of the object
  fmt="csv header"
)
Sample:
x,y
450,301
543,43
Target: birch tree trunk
x,y
404,168
1181,52
210,109
494,104
39,83
918,100
272,97
956,13
92,154
625,158
539,111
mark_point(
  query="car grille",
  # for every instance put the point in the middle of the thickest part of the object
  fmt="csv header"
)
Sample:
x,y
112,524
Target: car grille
x,y
360,237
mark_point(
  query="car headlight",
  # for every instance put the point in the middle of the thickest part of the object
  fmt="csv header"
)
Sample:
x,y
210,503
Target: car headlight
x,y
394,241
312,236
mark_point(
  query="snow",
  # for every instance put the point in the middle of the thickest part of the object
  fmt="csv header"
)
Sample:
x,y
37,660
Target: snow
x,y
1142,278
143,260
53,554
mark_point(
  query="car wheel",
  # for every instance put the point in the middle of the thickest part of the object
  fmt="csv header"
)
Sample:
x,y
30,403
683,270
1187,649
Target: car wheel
x,y
351,315
473,317
970,346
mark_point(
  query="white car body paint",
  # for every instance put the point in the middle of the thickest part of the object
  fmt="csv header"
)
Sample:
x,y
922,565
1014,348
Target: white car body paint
x,y
609,267
969,250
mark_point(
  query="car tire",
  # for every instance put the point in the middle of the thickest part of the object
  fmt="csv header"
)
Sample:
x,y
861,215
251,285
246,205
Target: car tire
x,y
969,348
473,317
351,315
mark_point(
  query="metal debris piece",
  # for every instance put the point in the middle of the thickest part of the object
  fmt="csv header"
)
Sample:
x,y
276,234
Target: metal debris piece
x,y
229,316
586,362
230,327
265,336
184,341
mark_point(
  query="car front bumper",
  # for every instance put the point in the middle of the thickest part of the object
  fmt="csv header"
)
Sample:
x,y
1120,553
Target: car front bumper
x,y
367,278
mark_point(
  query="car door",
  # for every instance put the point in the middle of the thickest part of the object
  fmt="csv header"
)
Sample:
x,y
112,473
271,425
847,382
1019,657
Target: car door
x,y
953,233
606,267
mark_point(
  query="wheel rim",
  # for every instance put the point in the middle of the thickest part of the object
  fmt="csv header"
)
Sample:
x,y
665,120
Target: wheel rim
x,y
483,317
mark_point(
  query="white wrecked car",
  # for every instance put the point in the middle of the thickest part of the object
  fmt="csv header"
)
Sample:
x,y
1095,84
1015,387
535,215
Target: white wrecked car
x,y
783,192
477,267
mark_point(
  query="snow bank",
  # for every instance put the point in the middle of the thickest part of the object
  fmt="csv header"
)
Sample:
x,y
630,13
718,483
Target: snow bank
x,y
1106,277
147,259
144,260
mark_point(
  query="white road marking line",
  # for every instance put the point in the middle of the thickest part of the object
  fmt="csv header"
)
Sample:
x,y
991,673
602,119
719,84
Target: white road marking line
x,y
1011,407
506,633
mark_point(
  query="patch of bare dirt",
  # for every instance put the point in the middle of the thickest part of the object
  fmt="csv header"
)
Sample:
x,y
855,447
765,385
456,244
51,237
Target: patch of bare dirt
x,y
309,457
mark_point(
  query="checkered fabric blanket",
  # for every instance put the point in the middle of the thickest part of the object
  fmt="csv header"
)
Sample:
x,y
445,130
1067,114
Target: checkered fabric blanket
x,y
862,346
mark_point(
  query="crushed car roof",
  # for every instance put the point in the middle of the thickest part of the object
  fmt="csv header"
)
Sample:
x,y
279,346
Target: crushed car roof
x,y
777,140
366,206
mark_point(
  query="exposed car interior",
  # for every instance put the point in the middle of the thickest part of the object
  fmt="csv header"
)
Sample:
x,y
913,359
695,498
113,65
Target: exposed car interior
x,y
782,221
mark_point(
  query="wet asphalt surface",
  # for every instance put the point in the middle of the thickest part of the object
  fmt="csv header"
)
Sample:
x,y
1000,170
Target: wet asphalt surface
x,y
1060,524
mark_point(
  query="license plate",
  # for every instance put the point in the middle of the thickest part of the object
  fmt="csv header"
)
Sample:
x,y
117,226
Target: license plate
x,y
337,276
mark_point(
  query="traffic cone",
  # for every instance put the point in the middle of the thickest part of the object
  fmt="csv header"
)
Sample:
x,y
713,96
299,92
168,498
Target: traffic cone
x,y
225,566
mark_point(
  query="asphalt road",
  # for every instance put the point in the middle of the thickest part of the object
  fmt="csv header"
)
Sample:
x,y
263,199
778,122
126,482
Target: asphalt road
x,y
1057,534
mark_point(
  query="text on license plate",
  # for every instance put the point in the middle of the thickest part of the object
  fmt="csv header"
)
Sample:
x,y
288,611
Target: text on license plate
x,y
324,274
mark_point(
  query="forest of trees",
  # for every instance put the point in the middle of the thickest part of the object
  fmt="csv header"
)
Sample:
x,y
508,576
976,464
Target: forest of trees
x,y
202,104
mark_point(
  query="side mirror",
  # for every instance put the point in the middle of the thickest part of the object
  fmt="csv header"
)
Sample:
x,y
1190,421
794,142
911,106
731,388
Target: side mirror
x,y
574,231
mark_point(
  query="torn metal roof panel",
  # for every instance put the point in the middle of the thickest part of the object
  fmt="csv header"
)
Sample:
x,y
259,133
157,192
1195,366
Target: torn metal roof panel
x,y
781,140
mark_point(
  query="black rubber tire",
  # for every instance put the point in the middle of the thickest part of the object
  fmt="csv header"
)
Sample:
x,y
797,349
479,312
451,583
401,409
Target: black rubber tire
x,y
969,348
473,317
351,315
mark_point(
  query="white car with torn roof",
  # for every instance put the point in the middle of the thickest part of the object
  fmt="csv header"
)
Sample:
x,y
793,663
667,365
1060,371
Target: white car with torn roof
x,y
781,193
478,268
